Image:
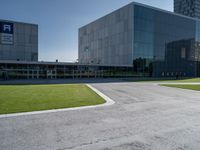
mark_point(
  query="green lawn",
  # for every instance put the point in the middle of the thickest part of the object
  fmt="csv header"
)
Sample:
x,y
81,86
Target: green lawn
x,y
189,80
183,86
26,98
164,80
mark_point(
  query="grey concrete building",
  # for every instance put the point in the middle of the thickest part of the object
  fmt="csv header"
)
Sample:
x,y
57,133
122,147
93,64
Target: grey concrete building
x,y
18,41
154,42
189,8
109,40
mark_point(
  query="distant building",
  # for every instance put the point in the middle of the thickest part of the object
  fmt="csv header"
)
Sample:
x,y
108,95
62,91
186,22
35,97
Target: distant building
x,y
18,41
189,8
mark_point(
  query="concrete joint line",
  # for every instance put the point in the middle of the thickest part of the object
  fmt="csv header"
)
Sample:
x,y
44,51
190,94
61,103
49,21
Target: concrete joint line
x,y
106,98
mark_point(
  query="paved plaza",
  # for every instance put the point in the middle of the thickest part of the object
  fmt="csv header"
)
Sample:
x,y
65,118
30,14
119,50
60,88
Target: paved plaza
x,y
145,117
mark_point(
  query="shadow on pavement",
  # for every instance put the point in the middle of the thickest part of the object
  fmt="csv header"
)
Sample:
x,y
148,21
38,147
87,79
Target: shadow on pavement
x,y
61,81
83,81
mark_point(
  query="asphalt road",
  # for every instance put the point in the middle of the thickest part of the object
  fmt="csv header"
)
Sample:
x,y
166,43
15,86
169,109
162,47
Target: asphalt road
x,y
144,117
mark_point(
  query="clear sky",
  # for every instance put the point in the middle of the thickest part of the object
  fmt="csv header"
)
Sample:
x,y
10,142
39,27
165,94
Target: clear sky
x,y
59,21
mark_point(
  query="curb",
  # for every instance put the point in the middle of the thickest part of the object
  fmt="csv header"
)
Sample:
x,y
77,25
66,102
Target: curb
x,y
106,98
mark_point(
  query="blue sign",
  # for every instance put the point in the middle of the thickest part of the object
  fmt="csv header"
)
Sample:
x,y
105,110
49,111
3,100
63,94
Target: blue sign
x,y
6,27
6,33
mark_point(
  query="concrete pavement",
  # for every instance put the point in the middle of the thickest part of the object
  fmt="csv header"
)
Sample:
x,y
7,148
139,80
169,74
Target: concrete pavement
x,y
145,116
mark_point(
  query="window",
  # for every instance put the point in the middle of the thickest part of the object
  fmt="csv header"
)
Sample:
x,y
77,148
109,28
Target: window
x,y
183,53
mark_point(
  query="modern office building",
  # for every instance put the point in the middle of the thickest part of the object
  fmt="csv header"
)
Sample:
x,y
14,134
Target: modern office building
x,y
154,42
59,70
19,58
189,8
134,41
109,40
18,41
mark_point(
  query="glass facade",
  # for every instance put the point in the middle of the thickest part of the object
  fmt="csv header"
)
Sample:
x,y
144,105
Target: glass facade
x,y
165,44
42,70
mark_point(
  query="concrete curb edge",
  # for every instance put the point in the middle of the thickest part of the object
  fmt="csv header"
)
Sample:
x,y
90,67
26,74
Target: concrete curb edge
x,y
106,98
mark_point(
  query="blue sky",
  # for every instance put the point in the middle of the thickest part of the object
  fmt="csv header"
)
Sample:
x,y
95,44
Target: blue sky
x,y
59,21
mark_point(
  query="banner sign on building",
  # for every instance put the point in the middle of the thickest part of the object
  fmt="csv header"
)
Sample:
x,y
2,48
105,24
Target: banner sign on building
x,y
6,33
